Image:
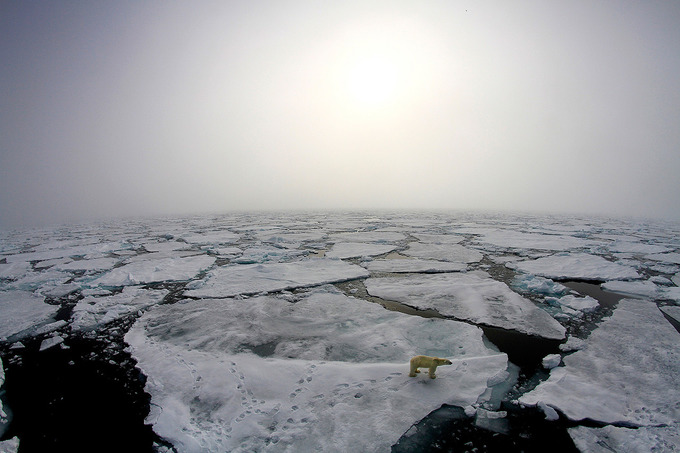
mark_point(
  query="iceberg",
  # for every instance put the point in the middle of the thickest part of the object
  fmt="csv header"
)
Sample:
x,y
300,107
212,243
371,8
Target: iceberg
x,y
577,266
473,297
336,380
627,373
248,279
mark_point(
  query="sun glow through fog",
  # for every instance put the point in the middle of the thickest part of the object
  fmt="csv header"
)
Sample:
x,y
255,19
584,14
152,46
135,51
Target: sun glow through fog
x,y
372,81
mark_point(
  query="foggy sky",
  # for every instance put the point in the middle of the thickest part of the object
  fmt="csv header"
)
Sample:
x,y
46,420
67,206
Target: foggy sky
x,y
141,108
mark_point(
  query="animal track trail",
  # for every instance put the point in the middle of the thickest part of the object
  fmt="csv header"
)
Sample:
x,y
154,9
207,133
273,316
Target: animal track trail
x,y
249,403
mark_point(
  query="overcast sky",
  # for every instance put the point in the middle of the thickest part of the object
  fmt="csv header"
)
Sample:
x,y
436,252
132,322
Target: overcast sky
x,y
133,108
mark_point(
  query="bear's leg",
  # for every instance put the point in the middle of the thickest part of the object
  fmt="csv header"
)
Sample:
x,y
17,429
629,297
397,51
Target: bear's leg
x,y
432,370
414,370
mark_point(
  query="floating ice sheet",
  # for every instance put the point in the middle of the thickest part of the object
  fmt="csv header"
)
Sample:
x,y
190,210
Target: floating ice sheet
x,y
640,440
520,240
337,379
577,266
474,297
443,252
344,250
238,279
166,269
628,371
22,310
92,312
413,265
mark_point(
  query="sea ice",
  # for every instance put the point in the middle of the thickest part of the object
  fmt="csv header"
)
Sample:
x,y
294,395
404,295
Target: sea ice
x,y
672,311
165,269
673,258
211,237
551,361
646,289
51,342
628,371
613,439
22,310
344,250
582,304
443,252
91,312
474,297
577,266
97,264
637,248
532,284
246,279
439,238
528,241
333,378
368,236
413,265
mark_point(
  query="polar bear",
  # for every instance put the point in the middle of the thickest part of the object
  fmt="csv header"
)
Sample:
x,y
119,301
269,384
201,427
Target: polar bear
x,y
423,361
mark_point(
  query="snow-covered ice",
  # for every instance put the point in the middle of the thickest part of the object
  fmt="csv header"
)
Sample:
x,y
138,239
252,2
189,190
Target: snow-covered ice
x,y
345,250
613,439
521,240
332,373
574,303
576,266
473,296
92,312
443,252
672,311
628,371
22,310
166,269
527,283
413,265
229,281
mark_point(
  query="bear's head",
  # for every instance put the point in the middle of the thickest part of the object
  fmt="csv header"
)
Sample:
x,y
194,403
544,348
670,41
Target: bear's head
x,y
442,361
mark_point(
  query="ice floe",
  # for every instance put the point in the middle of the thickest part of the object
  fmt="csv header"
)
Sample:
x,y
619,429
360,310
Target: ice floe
x,y
413,265
532,284
443,252
576,266
627,373
166,269
229,281
614,439
336,380
344,250
474,297
92,312
521,240
672,311
22,310
571,304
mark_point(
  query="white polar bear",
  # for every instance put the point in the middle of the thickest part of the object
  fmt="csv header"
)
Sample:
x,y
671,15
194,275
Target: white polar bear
x,y
423,361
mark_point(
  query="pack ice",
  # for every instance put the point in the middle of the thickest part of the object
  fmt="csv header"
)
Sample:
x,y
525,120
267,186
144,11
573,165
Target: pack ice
x,y
317,372
635,382
240,279
473,296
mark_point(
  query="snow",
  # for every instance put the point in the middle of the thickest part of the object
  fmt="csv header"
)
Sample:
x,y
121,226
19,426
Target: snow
x,y
368,236
92,312
613,439
165,269
22,310
473,296
646,289
239,279
10,445
413,265
576,266
628,371
344,250
336,380
443,252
